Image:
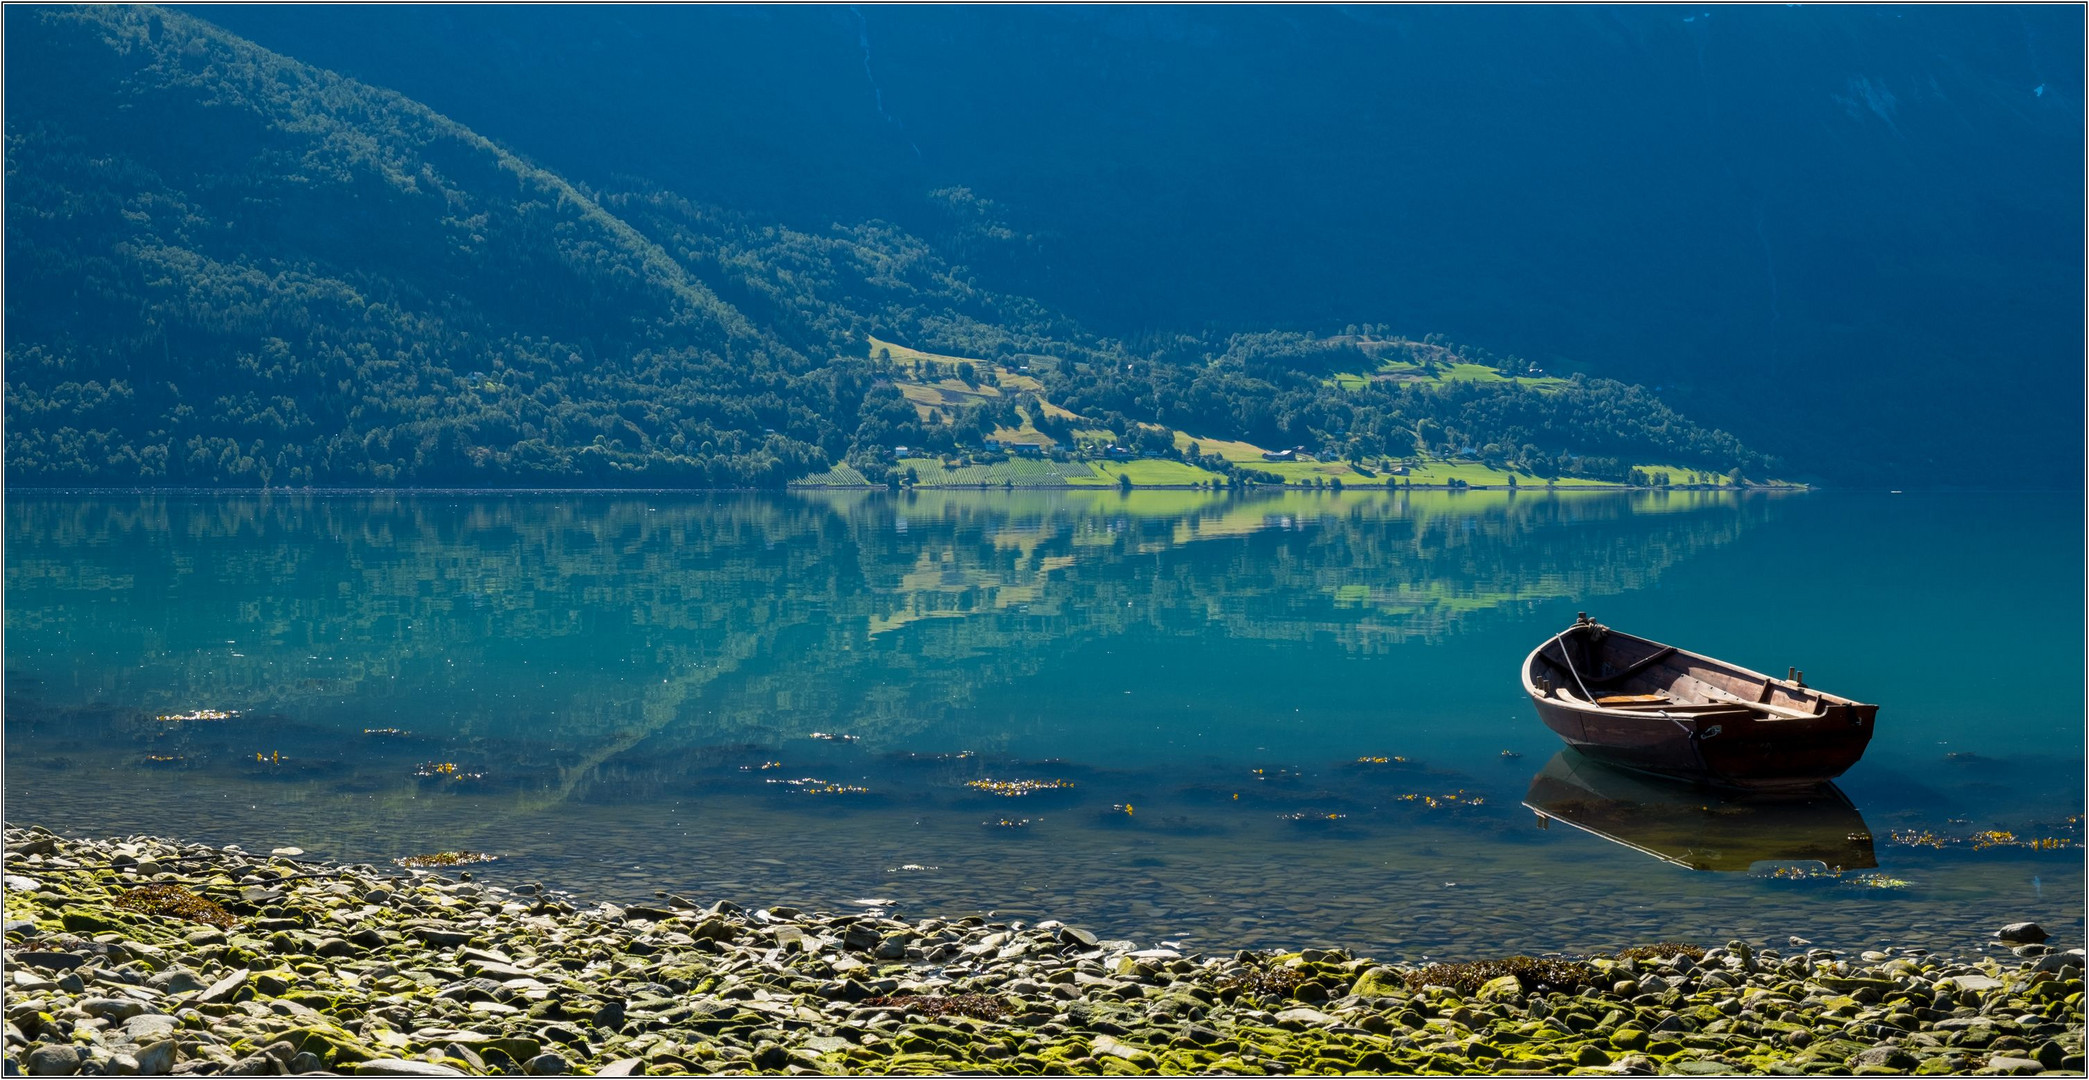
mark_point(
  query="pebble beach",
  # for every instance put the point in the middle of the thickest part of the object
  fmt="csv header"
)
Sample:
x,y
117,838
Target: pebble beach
x,y
148,956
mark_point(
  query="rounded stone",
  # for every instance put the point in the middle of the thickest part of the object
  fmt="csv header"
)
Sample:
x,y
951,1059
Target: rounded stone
x,y
54,1060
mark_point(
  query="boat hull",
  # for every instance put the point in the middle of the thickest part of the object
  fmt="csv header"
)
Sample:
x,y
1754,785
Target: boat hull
x,y
1792,754
1747,745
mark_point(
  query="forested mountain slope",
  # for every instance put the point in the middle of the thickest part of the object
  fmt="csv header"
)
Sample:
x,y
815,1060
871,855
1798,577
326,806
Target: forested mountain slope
x,y
227,268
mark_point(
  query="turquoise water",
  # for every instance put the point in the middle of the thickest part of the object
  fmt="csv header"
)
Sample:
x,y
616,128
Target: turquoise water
x,y
627,692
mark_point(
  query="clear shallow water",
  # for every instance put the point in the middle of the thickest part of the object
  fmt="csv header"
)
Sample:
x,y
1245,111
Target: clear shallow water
x,y
632,686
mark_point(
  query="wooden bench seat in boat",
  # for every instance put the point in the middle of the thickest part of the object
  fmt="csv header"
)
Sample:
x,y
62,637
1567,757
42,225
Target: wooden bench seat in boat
x,y
1613,700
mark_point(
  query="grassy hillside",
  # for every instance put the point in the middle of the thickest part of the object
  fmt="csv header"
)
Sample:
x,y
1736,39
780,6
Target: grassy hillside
x,y
1032,442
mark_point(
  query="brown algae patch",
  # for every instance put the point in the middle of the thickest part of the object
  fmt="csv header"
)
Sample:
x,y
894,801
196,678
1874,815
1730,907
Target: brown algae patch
x,y
976,1006
1665,950
1270,983
1009,789
447,770
445,858
175,902
1542,975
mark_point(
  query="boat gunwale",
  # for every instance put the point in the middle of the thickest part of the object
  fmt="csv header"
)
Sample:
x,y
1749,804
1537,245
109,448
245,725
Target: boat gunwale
x,y
1756,709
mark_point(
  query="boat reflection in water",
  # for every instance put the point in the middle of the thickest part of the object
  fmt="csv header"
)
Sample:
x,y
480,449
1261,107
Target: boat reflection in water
x,y
1697,828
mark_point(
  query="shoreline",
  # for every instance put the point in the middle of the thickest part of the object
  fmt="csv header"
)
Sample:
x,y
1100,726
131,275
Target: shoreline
x,y
1243,489
150,956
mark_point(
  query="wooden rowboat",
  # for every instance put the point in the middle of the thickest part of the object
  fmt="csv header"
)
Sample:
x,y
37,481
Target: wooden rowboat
x,y
1643,705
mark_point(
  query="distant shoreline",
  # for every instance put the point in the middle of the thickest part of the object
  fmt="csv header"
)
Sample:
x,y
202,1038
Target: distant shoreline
x,y
1331,490
885,488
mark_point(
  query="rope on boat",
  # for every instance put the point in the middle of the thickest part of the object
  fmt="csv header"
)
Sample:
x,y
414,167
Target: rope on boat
x,y
1561,638
1696,746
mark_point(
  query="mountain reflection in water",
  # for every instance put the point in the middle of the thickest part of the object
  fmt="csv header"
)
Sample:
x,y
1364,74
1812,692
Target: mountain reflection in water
x,y
1242,721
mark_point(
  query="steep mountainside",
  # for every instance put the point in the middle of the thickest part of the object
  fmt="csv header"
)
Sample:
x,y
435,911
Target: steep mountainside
x,y
229,268
1852,235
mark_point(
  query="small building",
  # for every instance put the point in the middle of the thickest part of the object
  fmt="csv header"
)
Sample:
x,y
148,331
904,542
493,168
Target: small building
x,y
1013,446
1117,453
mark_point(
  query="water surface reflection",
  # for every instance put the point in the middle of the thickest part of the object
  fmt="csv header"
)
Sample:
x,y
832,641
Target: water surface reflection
x,y
1700,829
1234,720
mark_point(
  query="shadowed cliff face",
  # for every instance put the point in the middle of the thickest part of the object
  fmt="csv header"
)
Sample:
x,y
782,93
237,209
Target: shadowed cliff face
x,y
1851,236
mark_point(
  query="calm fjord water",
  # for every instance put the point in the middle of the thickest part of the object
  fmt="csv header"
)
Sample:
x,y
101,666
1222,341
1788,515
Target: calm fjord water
x,y
1282,718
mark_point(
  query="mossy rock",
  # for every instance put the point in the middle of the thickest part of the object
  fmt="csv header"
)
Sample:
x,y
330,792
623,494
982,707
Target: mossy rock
x,y
1379,982
516,1048
334,1046
1629,1038
87,922
1501,988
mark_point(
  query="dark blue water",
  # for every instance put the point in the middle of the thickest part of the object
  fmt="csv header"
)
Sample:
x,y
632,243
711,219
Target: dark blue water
x,y
1272,720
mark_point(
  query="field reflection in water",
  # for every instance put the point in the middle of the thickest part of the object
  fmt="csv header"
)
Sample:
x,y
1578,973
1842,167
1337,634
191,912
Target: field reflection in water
x,y
1275,719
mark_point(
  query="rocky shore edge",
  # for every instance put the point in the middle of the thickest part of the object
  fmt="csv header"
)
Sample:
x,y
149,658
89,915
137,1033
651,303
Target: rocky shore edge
x,y
147,956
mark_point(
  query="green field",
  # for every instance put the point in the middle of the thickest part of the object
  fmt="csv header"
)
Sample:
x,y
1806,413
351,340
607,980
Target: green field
x,y
841,475
951,395
1019,472
1406,372
1155,472
1677,475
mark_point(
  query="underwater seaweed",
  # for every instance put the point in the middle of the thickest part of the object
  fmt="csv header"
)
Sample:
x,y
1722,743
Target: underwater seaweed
x,y
445,858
